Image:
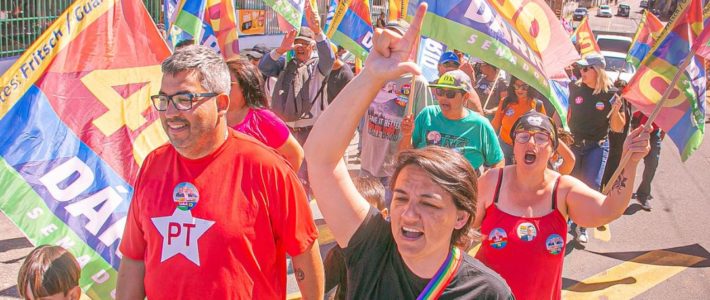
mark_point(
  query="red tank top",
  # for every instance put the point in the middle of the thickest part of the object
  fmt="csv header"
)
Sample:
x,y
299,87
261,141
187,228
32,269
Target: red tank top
x,y
526,252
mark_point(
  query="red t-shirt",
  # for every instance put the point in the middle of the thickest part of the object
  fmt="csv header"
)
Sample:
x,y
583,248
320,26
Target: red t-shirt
x,y
218,227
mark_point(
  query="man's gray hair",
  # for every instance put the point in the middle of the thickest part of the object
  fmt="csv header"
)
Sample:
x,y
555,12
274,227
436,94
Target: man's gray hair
x,y
210,68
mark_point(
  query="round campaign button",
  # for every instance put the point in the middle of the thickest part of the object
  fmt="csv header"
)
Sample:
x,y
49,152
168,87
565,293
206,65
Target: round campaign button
x,y
433,137
498,238
579,100
186,196
526,231
599,105
510,112
554,244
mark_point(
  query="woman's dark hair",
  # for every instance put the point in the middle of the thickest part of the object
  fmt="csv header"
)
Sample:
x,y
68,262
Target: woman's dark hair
x,y
512,98
48,270
452,172
250,81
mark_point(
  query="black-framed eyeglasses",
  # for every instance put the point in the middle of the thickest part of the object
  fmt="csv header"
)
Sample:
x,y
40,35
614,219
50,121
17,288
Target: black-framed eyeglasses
x,y
181,101
541,138
447,93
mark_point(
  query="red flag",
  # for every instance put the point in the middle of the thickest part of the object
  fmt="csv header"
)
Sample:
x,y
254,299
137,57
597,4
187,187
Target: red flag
x,y
586,43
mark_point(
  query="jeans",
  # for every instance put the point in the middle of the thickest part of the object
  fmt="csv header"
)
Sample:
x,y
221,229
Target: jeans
x,y
650,163
301,134
590,161
507,152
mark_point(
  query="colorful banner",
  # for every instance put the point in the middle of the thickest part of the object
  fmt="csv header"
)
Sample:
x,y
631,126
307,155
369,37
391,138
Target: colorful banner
x,y
252,21
702,44
352,27
584,39
76,123
290,12
329,16
212,23
397,9
475,27
683,114
647,33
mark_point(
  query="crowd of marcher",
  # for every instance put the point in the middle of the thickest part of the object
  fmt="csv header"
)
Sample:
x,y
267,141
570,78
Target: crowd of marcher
x,y
475,157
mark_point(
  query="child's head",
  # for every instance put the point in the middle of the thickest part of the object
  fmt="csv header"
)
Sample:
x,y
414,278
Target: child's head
x,y
372,190
49,271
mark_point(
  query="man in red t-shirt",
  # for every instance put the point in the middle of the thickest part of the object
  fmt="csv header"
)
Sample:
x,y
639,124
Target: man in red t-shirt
x,y
214,212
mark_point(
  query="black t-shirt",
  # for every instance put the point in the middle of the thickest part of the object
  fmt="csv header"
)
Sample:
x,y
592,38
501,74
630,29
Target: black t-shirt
x,y
588,113
376,269
484,87
337,80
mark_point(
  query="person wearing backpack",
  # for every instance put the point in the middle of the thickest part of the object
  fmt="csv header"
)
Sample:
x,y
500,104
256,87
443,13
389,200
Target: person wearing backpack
x,y
299,95
520,99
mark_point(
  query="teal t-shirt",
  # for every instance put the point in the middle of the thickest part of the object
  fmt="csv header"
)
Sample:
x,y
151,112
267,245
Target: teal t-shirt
x,y
473,136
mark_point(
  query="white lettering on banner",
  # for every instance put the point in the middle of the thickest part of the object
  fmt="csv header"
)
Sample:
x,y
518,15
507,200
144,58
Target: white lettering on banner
x,y
66,243
180,233
83,260
107,198
432,53
63,172
96,208
367,40
47,230
100,276
35,213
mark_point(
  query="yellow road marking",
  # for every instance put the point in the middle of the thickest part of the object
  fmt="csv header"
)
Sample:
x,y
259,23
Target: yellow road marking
x,y
604,234
631,278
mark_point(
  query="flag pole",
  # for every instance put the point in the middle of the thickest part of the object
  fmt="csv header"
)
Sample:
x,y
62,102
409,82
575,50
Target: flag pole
x,y
495,83
651,118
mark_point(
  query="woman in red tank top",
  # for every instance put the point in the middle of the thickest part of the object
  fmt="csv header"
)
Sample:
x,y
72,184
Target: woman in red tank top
x,y
524,207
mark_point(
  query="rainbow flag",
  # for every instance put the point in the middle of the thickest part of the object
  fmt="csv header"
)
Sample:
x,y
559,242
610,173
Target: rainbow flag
x,y
584,38
331,13
211,23
503,37
76,123
702,43
683,115
397,9
647,33
352,27
290,12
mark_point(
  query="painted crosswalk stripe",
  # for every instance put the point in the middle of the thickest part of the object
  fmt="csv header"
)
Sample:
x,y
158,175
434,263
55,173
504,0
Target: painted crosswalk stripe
x,y
631,278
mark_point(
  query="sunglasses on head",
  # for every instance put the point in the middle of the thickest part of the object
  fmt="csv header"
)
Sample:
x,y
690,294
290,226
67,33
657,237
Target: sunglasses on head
x,y
446,92
540,137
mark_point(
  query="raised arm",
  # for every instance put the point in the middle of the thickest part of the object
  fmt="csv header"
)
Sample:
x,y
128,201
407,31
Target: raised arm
x,y
589,208
271,65
342,206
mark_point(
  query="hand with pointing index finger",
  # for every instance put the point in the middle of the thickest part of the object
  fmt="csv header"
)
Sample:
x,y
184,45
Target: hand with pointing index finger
x,y
392,54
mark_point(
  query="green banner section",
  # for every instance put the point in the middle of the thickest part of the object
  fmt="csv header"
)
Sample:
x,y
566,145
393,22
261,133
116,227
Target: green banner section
x,y
343,40
30,213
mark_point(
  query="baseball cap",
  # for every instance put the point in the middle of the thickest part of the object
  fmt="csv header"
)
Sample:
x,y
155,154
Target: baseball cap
x,y
449,56
456,79
257,52
535,120
306,34
592,60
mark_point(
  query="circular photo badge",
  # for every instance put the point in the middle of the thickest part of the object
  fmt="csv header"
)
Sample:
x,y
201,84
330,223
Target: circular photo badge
x,y
433,137
554,244
527,231
579,100
498,238
510,112
186,196
599,105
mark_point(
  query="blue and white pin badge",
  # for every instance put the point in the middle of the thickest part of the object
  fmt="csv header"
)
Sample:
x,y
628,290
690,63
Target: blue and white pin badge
x,y
186,196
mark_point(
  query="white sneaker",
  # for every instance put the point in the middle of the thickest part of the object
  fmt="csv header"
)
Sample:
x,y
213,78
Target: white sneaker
x,y
582,236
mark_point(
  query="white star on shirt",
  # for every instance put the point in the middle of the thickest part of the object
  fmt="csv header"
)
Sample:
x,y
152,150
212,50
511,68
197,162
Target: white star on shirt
x,y
180,232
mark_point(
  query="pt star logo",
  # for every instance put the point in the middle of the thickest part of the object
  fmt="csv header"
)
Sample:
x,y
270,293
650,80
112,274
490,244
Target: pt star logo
x,y
180,233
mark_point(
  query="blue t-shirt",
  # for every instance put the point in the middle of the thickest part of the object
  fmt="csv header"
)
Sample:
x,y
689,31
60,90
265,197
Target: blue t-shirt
x,y
473,136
